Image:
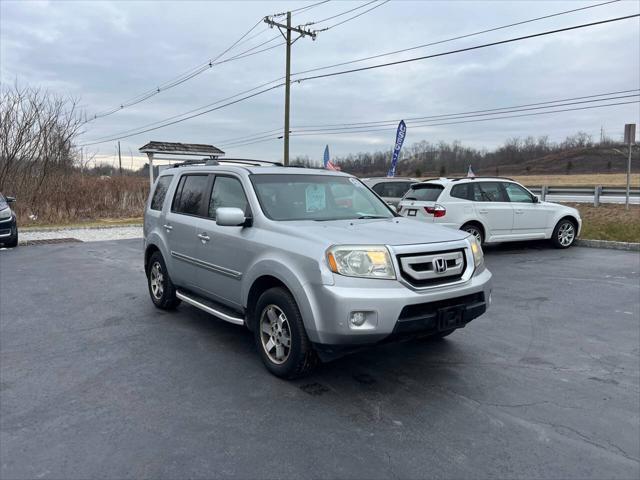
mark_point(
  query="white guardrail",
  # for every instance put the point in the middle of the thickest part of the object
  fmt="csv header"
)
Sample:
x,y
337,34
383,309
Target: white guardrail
x,y
595,195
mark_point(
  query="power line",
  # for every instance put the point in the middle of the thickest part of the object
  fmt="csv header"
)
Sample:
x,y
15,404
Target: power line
x,y
345,128
173,117
528,106
448,123
354,17
340,14
301,9
183,77
467,49
186,118
459,37
441,54
430,124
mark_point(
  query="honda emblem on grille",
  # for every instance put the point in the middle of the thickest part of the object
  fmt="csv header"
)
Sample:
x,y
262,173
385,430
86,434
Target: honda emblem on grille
x,y
439,265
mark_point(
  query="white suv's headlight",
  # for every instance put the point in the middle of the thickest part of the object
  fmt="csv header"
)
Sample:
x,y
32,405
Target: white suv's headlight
x,y
6,213
476,249
361,261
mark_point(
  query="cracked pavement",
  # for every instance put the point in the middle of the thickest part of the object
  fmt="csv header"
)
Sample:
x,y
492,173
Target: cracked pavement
x,y
97,383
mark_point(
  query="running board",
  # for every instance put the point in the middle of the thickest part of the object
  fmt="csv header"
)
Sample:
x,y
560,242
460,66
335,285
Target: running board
x,y
209,307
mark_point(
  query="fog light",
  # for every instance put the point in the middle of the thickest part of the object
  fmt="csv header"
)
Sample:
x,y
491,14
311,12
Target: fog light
x,y
358,318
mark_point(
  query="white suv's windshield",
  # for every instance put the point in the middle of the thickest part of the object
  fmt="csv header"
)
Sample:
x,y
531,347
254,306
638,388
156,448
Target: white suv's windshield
x,y
316,197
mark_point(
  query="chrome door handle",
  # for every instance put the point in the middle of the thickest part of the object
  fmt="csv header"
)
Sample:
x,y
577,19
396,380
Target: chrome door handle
x,y
519,212
168,227
204,237
483,211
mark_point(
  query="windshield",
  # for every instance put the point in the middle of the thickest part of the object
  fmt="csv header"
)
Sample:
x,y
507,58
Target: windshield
x,y
316,197
424,192
3,203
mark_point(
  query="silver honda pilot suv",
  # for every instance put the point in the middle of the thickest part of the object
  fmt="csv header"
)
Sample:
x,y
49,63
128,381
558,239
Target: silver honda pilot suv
x,y
313,262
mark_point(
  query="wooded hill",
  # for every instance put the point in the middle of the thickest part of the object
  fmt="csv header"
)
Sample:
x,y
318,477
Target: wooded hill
x,y
529,156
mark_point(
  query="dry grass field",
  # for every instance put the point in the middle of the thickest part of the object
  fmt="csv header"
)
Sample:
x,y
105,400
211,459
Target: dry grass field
x,y
587,180
610,222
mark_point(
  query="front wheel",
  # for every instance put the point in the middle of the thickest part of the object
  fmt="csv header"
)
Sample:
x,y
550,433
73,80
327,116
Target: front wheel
x,y
280,336
13,242
564,234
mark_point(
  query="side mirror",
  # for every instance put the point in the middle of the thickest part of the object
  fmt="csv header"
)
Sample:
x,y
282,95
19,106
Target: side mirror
x,y
10,199
536,199
230,217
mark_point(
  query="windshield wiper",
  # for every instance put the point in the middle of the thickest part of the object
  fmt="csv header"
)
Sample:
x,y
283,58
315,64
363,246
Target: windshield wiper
x,y
362,217
409,198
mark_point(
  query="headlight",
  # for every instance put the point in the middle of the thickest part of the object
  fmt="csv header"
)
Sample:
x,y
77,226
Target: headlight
x,y
6,213
361,261
476,249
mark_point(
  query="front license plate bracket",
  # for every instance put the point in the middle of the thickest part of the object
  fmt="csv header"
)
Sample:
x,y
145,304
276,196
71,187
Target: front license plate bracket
x,y
450,317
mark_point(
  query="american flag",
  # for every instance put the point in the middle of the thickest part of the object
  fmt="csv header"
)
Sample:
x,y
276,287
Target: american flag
x,y
326,162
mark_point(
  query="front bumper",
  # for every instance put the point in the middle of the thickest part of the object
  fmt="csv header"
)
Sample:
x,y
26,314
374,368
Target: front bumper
x,y
391,308
8,229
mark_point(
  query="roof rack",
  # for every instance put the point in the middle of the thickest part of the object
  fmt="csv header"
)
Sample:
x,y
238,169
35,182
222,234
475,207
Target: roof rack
x,y
219,161
480,178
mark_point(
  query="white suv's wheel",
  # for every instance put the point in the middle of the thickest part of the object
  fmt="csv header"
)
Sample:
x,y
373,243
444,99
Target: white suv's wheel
x,y
474,230
564,234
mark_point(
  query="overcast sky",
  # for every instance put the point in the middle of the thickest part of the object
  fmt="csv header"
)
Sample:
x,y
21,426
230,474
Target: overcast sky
x,y
105,53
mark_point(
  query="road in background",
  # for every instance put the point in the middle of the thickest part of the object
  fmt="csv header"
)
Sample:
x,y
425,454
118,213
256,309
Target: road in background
x,y
96,382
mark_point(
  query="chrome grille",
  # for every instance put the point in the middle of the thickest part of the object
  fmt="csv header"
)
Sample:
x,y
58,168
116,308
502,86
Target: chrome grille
x,y
421,269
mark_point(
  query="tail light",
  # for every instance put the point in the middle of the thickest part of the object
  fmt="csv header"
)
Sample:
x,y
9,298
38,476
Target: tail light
x,y
437,211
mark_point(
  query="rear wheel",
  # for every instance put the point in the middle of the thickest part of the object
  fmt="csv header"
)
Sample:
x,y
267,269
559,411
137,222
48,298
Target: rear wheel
x,y
564,234
161,288
475,230
280,336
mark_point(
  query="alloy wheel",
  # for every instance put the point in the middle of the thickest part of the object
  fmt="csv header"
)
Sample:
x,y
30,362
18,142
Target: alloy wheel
x,y
475,232
566,234
275,334
156,280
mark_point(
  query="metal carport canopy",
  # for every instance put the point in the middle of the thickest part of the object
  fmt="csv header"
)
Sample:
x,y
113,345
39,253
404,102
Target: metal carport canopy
x,y
178,149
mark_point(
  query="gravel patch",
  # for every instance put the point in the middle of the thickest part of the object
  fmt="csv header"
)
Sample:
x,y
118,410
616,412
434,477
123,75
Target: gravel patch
x,y
83,234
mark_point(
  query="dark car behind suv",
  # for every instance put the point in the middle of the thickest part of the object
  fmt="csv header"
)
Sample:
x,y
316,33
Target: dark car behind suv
x,y
8,223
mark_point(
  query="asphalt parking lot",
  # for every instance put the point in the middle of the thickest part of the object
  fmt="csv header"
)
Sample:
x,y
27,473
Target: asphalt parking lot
x,y
96,382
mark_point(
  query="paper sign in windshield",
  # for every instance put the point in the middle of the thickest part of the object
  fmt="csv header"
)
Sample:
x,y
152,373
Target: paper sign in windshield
x,y
315,198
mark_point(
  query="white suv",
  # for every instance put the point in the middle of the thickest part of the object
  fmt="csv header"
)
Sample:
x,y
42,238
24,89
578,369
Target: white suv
x,y
492,209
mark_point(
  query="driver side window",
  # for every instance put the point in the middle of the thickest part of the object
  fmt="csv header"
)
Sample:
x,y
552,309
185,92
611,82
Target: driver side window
x,y
227,192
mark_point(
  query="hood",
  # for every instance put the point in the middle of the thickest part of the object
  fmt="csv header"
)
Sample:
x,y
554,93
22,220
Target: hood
x,y
384,231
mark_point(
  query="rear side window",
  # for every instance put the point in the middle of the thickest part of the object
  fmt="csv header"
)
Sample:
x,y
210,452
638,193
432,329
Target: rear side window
x,y
463,191
190,194
392,189
227,192
424,192
162,185
489,192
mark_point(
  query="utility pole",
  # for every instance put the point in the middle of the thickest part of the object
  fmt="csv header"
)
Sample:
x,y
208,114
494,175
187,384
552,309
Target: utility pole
x,y
629,139
287,88
119,158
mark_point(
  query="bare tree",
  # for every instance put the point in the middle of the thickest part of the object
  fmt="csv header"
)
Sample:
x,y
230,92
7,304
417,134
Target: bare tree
x,y
37,129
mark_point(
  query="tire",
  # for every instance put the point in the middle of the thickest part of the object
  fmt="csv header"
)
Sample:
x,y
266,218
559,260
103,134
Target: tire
x,y
475,230
161,288
564,235
280,335
13,242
